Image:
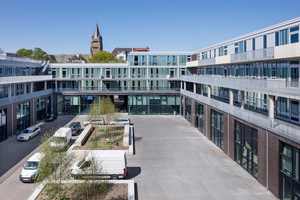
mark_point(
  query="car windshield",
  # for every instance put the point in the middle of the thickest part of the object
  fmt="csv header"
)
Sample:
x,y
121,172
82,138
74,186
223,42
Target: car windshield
x,y
27,131
73,126
59,139
31,165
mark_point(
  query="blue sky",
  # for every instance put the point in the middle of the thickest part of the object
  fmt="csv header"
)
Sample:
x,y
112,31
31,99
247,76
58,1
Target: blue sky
x,y
65,27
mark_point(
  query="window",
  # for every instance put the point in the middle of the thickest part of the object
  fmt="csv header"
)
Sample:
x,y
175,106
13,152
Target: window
x,y
289,172
282,37
200,117
253,44
246,148
265,41
217,128
294,34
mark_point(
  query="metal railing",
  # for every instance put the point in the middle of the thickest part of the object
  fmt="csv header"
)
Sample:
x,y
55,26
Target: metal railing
x,y
116,89
260,54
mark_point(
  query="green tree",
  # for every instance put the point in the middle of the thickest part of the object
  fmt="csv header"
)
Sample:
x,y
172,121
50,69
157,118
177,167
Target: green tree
x,y
36,54
25,52
104,57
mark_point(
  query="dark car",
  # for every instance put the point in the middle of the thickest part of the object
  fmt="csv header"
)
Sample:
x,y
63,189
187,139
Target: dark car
x,y
50,117
75,127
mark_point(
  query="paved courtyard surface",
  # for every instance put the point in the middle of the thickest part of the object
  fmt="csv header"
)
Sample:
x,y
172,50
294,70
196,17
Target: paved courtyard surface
x,y
174,160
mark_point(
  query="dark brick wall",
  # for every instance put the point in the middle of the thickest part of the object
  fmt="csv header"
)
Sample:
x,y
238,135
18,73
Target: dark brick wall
x,y
194,57
274,161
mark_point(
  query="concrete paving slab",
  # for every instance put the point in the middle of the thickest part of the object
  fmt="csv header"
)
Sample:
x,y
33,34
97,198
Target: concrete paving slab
x,y
176,161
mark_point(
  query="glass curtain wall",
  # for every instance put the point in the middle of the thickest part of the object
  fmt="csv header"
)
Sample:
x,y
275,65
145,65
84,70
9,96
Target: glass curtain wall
x,y
75,104
188,110
153,104
289,172
246,153
3,126
217,129
23,116
41,108
200,117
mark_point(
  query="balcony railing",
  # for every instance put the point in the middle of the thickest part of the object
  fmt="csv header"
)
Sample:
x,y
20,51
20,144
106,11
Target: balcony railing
x,y
117,89
260,54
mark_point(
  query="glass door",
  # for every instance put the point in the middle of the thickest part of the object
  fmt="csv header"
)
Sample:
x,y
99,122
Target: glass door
x,y
295,111
294,76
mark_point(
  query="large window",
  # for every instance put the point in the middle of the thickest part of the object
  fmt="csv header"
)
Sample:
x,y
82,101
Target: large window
x,y
294,32
3,127
41,108
188,109
289,172
246,151
217,129
23,116
282,37
153,104
200,117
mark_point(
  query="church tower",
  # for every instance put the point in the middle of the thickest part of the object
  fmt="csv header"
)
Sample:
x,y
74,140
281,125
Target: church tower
x,y
96,42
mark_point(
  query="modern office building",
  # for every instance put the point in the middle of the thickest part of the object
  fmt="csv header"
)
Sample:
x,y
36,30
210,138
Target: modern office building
x,y
242,94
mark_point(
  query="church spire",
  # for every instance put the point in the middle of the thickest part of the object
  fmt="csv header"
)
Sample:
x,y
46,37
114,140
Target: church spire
x,y
96,33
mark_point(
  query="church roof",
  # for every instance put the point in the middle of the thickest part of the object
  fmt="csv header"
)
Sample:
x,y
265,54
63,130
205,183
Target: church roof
x,y
96,33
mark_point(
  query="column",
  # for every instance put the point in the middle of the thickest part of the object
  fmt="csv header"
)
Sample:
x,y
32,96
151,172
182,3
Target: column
x,y
9,90
184,84
55,86
208,90
202,89
242,99
45,85
231,96
148,85
180,84
271,106
24,88
195,88
31,87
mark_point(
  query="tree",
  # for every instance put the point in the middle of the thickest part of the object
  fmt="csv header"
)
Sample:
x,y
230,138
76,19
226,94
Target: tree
x,y
37,54
25,52
104,57
54,168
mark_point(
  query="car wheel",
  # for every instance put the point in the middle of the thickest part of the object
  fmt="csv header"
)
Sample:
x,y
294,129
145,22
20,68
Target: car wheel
x,y
29,138
114,177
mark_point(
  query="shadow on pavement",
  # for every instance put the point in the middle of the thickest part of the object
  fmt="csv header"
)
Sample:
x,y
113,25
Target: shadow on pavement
x,y
133,172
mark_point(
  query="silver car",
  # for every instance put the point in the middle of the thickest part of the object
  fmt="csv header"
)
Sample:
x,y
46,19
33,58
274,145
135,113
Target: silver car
x,y
120,121
99,121
29,133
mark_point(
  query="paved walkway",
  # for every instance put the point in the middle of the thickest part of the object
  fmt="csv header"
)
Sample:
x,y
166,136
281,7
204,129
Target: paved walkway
x,y
173,161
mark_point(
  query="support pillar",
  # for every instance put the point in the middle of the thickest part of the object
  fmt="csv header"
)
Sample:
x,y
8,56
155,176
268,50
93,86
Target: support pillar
x,y
231,96
55,86
242,99
184,84
9,90
201,89
25,88
195,88
31,87
271,106
45,85
208,90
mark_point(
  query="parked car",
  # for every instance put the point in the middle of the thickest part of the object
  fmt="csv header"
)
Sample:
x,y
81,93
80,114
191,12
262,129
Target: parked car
x,y
29,133
50,117
61,139
99,121
31,170
103,164
75,127
120,121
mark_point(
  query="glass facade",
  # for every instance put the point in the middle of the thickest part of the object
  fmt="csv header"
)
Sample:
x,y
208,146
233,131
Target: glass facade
x,y
188,113
23,116
153,104
289,172
246,148
41,108
200,117
217,129
3,126
75,104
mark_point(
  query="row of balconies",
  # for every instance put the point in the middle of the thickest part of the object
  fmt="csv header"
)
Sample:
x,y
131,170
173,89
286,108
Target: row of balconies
x,y
257,55
87,76
116,89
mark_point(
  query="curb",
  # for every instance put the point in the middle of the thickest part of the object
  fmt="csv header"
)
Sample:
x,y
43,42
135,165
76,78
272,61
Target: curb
x,y
130,183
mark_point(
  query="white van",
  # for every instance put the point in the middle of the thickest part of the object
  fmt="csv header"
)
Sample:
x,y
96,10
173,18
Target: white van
x,y
107,164
61,138
31,169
